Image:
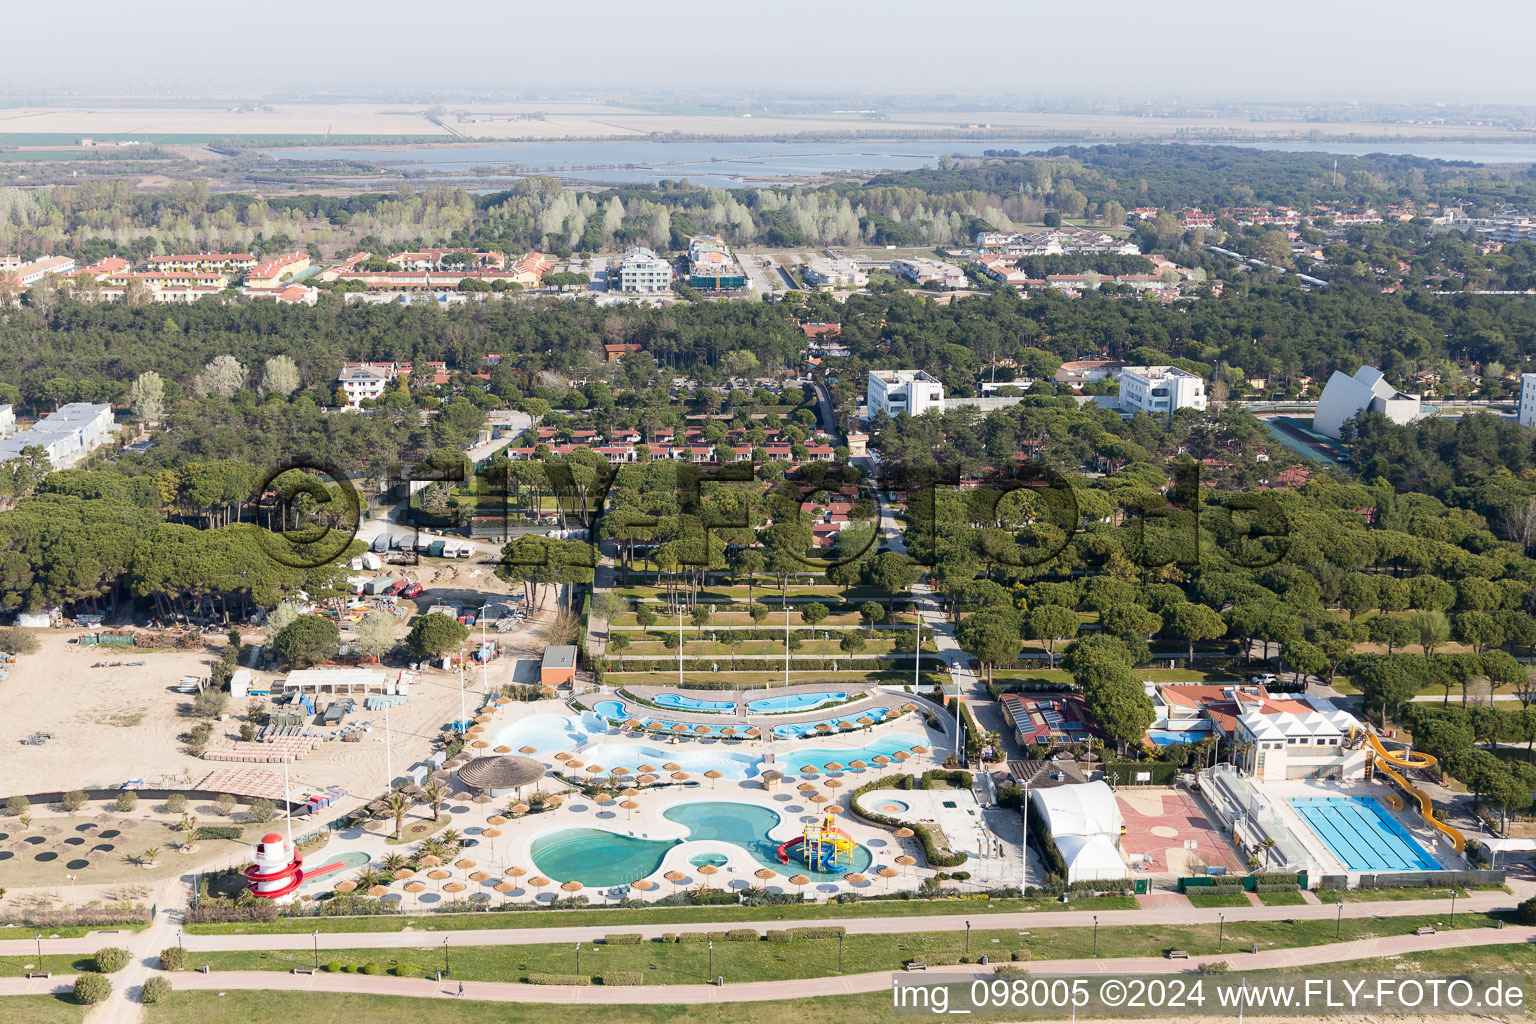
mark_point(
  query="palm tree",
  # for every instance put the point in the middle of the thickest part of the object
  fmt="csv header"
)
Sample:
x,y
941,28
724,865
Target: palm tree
x,y
1266,844
368,878
397,804
149,856
434,794
451,837
394,862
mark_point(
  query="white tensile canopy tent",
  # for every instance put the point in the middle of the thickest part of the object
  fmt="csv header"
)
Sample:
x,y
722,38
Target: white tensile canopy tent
x,y
1090,858
1088,809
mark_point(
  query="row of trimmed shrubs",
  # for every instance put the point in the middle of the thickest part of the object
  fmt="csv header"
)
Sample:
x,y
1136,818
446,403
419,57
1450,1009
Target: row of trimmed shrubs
x,y
92,987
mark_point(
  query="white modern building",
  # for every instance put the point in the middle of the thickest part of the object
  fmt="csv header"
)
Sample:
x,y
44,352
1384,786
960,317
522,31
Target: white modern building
x,y
7,420
364,380
1303,738
834,272
67,436
1160,390
642,270
913,392
929,273
1527,411
1367,391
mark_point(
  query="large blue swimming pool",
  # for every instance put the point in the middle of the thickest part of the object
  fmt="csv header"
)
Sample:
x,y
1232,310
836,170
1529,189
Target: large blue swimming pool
x,y
1362,833
795,702
678,702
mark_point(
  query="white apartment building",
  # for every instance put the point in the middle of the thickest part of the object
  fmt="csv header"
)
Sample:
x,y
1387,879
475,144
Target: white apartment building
x,y
31,273
364,380
913,392
1160,390
67,435
7,420
928,272
830,272
642,270
1527,411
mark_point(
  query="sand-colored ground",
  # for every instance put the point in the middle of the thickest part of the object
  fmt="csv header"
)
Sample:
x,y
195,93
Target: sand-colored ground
x,y
575,119
111,725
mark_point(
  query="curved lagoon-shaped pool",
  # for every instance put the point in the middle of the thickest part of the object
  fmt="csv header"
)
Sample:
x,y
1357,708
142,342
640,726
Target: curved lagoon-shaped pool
x,y
592,856
795,702
595,857
678,702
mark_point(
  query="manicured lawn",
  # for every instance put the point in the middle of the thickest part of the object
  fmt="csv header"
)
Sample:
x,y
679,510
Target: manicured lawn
x,y
1384,895
16,966
725,677
1281,899
689,963
414,830
619,919
61,1009
1218,899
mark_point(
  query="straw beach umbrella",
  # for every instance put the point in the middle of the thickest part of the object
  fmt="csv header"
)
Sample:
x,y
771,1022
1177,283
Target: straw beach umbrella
x,y
674,877
887,872
479,876
464,864
346,886
519,809
671,766
431,860
630,805
854,878
713,776
503,888
504,749
439,875
378,890
515,872
573,887
833,766
764,874
453,888
906,860
799,881
706,870
564,755
538,882
416,889
681,776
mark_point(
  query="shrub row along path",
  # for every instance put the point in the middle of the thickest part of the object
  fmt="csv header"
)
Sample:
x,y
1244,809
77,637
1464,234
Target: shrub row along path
x,y
495,991
1178,915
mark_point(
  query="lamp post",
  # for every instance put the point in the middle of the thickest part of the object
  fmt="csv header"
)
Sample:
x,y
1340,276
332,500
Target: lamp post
x,y
711,958
1095,934
1221,928
183,948
72,904
1453,906
39,952
317,947
445,954
967,938
839,952
1338,926
578,959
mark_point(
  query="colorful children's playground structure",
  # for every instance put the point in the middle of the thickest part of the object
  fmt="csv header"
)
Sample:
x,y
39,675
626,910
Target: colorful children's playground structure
x,y
824,846
1388,761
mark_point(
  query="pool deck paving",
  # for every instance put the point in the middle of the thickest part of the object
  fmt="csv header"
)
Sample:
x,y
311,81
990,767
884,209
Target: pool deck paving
x,y
874,981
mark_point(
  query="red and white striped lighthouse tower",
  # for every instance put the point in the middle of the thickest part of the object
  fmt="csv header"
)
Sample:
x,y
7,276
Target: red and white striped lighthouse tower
x,y
277,869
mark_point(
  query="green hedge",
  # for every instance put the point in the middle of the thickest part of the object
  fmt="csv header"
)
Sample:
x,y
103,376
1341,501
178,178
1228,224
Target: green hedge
x,y
807,932
172,958
622,939
623,978
218,832
559,979
1041,836
91,989
1123,773
111,959
935,857
154,989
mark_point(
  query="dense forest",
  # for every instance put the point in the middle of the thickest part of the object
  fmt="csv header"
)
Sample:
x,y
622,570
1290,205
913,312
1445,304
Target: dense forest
x,y
933,206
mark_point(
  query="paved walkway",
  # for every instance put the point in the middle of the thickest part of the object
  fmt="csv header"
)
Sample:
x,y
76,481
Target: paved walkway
x,y
1168,915
875,981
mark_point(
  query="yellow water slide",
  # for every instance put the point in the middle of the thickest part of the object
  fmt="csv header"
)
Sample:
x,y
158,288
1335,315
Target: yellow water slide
x,y
1388,760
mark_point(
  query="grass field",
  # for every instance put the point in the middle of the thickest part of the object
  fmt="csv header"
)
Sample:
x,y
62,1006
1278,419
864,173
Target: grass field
x,y
620,919
690,963
1218,899
243,1007
43,1010
1384,895
1282,899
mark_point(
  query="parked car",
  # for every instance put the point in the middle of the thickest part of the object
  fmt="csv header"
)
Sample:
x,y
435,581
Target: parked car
x,y
414,590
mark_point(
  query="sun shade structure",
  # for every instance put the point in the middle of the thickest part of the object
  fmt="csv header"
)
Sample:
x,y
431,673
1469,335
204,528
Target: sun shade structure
x,y
501,773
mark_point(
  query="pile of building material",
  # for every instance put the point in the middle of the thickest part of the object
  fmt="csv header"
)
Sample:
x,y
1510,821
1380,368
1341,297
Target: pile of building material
x,y
252,782
276,751
180,640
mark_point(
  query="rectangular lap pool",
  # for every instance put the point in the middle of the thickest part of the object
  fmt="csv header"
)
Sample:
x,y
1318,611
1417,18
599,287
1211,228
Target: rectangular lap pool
x,y
1362,834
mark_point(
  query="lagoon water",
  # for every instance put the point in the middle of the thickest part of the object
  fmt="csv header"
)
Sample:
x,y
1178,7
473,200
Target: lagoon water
x,y
746,164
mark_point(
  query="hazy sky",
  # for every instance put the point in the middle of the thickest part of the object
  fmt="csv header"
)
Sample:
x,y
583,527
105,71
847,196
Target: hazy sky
x,y
1338,49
